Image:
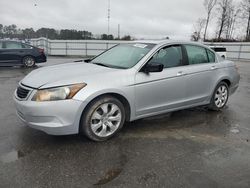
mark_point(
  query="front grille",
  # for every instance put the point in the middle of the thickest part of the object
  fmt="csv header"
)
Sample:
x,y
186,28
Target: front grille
x,y
22,93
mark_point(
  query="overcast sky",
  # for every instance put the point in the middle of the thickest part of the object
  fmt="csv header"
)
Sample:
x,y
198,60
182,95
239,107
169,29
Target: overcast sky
x,y
139,18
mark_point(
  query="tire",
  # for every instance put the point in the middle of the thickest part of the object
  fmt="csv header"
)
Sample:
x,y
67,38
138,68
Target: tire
x,y
220,97
96,122
29,61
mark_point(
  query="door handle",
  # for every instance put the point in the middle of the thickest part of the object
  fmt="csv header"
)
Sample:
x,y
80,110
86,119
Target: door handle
x,y
213,67
181,73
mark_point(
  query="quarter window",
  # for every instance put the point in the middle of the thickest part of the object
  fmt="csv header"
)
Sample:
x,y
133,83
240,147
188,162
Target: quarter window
x,y
211,56
13,45
196,54
169,57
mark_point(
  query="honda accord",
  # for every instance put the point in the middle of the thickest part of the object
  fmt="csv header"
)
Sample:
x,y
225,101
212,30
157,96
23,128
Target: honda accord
x,y
125,83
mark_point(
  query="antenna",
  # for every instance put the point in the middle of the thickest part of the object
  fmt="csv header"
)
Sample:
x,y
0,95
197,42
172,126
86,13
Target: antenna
x,y
108,15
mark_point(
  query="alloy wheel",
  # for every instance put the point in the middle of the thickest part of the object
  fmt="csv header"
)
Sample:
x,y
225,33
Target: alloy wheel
x,y
29,61
221,96
106,119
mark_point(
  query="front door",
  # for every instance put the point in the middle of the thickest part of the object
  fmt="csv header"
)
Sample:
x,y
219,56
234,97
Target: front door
x,y
161,91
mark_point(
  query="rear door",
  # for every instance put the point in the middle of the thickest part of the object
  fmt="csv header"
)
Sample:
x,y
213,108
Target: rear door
x,y
161,91
201,73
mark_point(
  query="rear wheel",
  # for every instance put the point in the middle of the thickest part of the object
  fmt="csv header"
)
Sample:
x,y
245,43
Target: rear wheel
x,y
220,97
29,61
103,118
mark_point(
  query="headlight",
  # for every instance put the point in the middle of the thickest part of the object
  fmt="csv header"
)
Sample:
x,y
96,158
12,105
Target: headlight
x,y
58,93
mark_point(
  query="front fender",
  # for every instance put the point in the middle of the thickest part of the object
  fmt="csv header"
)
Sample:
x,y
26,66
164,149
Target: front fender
x,y
87,96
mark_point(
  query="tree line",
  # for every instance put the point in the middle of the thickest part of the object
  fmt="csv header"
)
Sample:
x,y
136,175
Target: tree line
x,y
12,31
229,16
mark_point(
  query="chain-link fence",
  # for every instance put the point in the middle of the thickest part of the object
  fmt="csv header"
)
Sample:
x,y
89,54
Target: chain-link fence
x,y
74,47
235,51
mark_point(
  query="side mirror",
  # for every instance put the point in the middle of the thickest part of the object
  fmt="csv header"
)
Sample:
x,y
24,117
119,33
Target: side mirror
x,y
153,67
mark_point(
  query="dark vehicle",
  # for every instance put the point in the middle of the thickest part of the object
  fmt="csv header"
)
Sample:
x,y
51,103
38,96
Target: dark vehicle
x,y
17,53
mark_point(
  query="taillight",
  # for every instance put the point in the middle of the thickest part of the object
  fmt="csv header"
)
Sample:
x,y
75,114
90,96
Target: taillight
x,y
41,51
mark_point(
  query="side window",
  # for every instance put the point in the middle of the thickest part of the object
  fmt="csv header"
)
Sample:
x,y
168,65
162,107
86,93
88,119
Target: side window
x,y
169,57
211,56
196,54
13,45
1,45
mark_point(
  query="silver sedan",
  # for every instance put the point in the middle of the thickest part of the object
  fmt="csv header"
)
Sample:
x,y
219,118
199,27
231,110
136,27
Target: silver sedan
x,y
125,83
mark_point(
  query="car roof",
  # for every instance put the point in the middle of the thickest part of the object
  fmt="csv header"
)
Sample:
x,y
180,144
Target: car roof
x,y
217,46
3,40
163,42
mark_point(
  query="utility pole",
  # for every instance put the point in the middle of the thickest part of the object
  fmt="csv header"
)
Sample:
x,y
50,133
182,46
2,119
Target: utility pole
x,y
108,15
118,31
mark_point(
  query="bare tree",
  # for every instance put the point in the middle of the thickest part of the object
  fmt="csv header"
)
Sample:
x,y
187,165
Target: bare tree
x,y
198,27
224,11
233,12
245,6
209,5
235,17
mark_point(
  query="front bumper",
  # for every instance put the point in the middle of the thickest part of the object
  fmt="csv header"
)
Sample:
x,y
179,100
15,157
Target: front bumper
x,y
54,117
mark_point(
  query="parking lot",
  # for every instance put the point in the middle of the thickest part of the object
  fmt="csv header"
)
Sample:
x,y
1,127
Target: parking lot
x,y
188,148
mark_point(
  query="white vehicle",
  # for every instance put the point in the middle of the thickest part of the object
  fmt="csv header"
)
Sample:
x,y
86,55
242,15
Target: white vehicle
x,y
222,51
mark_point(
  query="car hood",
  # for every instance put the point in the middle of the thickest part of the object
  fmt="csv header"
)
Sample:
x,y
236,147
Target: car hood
x,y
64,72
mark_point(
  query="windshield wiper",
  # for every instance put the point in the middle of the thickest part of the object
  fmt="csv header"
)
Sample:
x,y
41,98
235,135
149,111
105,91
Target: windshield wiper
x,y
84,60
101,64
109,66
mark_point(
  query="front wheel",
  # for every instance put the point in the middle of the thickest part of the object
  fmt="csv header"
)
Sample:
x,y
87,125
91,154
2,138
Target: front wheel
x,y
103,118
29,61
220,97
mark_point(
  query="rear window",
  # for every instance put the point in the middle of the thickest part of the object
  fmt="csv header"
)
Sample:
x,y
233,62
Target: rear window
x,y
26,46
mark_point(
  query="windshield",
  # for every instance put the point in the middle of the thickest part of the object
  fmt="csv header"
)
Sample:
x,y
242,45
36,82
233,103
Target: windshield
x,y
123,56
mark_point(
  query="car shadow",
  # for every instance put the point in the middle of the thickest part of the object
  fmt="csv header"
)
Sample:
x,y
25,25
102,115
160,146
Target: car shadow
x,y
197,119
